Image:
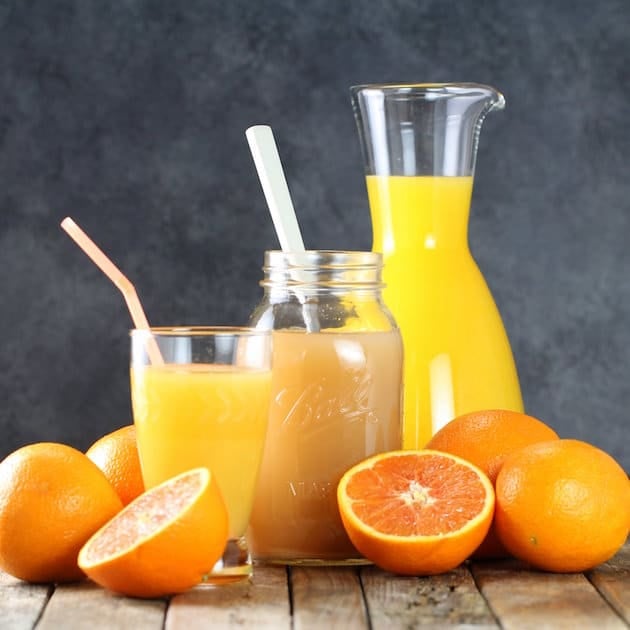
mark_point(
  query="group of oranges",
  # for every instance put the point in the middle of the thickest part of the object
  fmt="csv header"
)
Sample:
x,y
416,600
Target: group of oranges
x,y
65,514
490,484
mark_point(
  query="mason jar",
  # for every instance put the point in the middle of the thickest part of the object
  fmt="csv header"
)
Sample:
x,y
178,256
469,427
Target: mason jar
x,y
335,399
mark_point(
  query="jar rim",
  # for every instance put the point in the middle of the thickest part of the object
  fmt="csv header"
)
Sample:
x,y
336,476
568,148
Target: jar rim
x,y
324,271
324,257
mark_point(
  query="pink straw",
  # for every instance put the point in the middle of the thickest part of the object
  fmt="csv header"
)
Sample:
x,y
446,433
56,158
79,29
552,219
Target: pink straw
x,y
99,258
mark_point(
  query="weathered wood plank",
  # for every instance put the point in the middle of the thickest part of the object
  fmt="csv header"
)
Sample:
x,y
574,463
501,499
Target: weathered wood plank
x,y
442,601
524,599
21,603
261,603
342,598
86,606
612,580
327,597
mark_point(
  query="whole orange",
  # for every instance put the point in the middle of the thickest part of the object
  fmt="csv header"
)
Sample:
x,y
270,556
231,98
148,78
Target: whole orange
x,y
165,541
563,505
52,499
485,438
116,454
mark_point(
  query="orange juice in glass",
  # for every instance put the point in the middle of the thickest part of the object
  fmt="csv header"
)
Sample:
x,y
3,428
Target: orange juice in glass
x,y
206,405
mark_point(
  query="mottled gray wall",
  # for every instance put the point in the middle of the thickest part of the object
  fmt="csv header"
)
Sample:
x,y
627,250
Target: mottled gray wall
x,y
130,115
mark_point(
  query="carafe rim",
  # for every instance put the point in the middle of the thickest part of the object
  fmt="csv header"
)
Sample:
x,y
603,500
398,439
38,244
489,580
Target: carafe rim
x,y
436,90
428,85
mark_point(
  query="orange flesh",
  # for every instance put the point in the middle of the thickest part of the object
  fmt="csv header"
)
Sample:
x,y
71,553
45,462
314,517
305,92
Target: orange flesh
x,y
411,496
147,516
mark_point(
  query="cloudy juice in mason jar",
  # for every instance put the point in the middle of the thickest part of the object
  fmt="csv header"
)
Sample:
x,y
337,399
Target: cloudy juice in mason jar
x,y
335,399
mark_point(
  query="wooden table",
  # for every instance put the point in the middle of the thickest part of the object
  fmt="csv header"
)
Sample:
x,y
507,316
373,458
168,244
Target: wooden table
x,y
480,595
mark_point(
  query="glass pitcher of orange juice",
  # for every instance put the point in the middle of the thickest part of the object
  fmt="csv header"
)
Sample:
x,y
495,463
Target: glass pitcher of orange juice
x,y
419,144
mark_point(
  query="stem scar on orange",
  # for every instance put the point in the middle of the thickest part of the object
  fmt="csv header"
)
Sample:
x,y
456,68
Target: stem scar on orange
x,y
165,541
562,505
416,512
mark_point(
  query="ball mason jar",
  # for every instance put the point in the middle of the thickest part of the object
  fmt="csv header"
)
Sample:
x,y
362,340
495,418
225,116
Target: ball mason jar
x,y
336,391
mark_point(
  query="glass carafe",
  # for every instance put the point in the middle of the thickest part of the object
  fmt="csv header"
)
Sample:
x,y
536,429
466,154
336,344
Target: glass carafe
x,y
419,144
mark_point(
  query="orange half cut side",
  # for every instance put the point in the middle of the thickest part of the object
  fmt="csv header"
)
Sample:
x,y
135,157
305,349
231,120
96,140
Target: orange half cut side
x,y
416,512
163,542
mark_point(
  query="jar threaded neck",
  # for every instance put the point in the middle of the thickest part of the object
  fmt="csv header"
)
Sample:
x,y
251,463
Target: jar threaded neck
x,y
323,270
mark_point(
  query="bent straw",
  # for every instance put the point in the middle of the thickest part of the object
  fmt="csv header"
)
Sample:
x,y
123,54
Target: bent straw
x,y
99,258
274,184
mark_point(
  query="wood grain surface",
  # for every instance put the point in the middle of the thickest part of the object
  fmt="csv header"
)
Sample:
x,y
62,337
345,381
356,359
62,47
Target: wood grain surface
x,y
480,595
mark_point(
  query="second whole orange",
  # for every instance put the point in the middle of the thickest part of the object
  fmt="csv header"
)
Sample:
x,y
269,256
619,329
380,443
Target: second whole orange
x,y
562,506
116,454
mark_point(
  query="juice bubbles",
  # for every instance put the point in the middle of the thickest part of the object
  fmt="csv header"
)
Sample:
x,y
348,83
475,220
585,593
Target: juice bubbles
x,y
457,354
335,400
190,415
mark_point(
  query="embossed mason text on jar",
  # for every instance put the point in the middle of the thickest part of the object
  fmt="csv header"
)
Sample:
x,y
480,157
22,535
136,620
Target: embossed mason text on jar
x,y
336,398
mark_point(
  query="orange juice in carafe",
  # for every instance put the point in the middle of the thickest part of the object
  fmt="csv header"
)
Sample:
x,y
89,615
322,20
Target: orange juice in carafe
x,y
450,324
419,143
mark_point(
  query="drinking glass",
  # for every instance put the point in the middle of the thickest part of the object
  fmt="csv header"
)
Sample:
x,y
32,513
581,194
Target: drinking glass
x,y
202,399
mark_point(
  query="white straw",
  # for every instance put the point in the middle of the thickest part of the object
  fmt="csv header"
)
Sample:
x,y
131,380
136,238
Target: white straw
x,y
274,184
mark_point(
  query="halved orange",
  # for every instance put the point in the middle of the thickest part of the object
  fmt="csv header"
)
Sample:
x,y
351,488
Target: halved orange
x,y
165,541
416,512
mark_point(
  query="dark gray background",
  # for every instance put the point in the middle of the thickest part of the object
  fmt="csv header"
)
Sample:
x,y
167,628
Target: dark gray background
x,y
130,116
